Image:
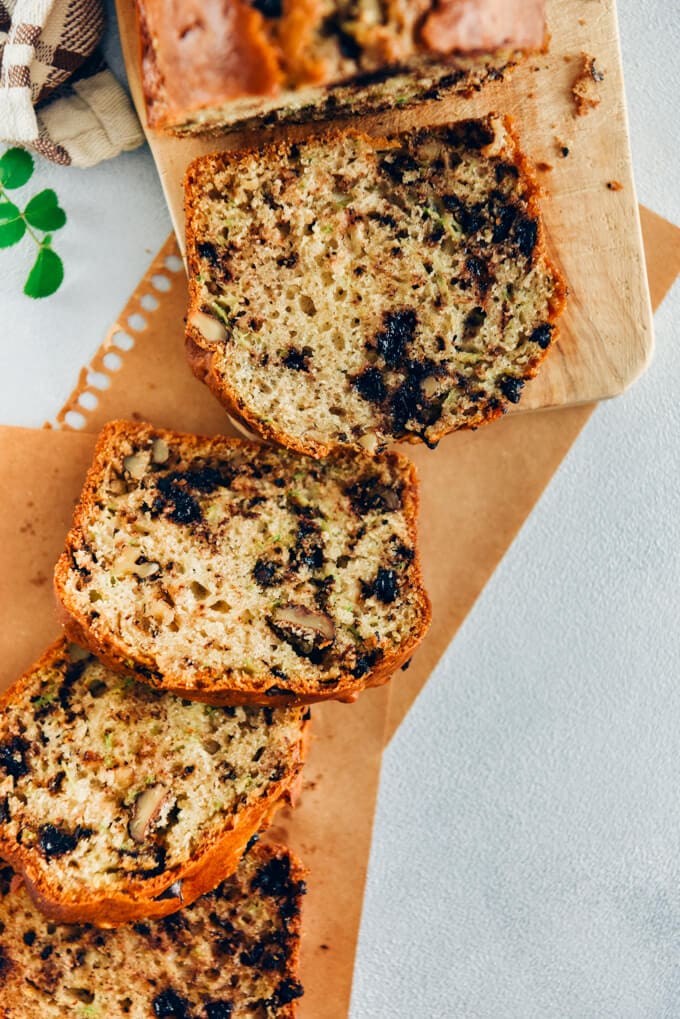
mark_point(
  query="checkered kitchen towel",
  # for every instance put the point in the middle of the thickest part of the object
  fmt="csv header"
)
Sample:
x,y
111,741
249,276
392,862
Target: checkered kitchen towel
x,y
56,96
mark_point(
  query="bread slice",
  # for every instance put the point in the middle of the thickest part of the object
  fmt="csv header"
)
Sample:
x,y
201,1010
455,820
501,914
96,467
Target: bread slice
x,y
232,954
223,64
118,802
349,291
230,572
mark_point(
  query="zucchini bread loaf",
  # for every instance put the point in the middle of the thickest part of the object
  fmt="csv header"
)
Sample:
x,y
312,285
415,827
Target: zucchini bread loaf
x,y
118,802
232,954
348,291
231,572
223,63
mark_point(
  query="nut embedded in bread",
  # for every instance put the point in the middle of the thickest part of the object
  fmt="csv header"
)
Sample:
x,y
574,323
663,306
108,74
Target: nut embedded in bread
x,y
220,64
231,572
348,291
118,802
232,954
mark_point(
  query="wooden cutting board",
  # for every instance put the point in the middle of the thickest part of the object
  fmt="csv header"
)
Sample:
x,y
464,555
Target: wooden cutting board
x,y
606,336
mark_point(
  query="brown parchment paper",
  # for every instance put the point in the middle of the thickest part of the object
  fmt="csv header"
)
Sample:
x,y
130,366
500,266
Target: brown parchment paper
x,y
41,473
477,490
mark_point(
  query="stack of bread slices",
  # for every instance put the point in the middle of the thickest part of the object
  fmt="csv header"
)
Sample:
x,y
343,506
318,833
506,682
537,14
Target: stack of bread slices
x,y
346,292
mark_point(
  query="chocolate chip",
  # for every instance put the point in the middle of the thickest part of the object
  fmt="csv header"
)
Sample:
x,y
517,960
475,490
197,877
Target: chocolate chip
x,y
408,403
169,1005
479,271
56,842
274,878
5,817
46,952
203,479
470,217
208,251
218,1009
29,938
399,329
13,756
370,385
287,991
176,501
385,586
72,674
397,164
526,235
269,8
365,662
371,494
505,170
266,574
511,388
296,360
173,923
503,218
542,335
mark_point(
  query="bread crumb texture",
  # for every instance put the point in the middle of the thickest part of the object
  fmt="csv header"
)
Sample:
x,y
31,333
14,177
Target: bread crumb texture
x,y
227,568
349,291
107,786
231,954
586,90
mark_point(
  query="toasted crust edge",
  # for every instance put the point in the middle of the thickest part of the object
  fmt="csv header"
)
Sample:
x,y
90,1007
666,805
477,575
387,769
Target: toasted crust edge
x,y
203,358
202,872
113,654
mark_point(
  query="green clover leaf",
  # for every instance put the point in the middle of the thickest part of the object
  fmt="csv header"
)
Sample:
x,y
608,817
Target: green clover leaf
x,y
43,215
16,167
12,225
46,275
43,211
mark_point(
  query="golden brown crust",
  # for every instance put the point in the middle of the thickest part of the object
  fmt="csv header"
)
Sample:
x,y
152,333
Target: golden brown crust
x,y
222,689
468,26
201,55
203,357
216,859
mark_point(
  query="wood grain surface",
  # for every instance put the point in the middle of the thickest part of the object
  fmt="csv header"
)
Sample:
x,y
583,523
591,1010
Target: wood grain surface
x,y
593,231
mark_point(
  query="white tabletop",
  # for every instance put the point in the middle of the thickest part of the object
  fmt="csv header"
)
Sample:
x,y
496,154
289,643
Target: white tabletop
x,y
526,860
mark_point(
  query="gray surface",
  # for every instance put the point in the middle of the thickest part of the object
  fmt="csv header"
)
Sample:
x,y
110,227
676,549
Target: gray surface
x,y
527,850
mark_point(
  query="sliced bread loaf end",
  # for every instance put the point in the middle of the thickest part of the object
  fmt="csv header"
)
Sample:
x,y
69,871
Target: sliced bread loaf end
x,y
234,64
232,954
348,291
121,803
231,572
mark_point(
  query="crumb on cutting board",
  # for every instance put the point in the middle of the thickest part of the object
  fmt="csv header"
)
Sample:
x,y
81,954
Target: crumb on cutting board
x,y
585,90
543,166
615,185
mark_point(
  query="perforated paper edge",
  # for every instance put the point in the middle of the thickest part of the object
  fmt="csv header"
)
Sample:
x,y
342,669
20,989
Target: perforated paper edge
x,y
131,327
